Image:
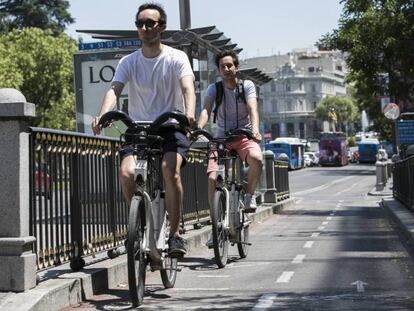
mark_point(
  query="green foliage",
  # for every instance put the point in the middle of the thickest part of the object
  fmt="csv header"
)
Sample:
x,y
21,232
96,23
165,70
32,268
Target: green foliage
x,y
378,38
41,67
345,108
351,141
19,14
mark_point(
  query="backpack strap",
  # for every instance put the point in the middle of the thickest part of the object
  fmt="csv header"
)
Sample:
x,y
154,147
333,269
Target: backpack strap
x,y
219,98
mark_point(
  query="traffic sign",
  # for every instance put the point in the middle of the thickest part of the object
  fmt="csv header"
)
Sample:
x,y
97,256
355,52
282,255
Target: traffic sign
x,y
391,111
113,44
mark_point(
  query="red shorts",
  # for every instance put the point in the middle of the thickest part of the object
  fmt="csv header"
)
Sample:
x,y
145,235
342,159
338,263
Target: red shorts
x,y
242,145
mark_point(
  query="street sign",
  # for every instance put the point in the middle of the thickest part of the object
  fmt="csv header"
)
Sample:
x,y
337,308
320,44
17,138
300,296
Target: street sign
x,y
391,111
405,129
113,44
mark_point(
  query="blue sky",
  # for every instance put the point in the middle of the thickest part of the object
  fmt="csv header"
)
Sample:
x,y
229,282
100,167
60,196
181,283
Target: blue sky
x,y
261,27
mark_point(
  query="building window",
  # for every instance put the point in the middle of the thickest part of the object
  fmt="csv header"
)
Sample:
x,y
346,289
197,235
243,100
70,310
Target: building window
x,y
301,105
274,105
273,86
300,86
288,86
289,106
314,105
339,68
313,88
311,69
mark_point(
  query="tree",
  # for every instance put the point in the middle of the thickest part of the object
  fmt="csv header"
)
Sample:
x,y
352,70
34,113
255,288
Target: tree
x,y
378,38
43,14
41,67
345,109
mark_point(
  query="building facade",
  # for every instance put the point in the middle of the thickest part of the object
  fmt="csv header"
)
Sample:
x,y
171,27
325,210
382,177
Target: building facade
x,y
300,80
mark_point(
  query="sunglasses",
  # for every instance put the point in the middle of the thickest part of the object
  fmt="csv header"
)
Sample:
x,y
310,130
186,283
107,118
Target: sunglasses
x,y
149,23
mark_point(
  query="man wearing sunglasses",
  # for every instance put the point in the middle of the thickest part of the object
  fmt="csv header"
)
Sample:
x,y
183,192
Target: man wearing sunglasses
x,y
160,79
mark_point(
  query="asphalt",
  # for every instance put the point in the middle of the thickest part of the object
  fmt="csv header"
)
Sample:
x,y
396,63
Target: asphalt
x,y
59,287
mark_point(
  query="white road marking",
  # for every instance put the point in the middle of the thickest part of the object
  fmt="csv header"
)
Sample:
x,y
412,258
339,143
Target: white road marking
x,y
308,244
325,222
329,218
321,228
323,187
265,302
332,214
212,276
315,234
299,258
199,289
232,265
285,277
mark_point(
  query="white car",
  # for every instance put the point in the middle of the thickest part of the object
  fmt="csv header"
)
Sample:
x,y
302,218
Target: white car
x,y
314,157
307,160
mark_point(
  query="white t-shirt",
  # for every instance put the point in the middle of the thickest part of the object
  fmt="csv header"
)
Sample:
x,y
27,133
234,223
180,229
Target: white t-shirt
x,y
228,116
154,83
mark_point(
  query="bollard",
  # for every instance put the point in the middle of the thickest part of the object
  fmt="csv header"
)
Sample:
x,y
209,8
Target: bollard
x,y
270,195
17,260
380,175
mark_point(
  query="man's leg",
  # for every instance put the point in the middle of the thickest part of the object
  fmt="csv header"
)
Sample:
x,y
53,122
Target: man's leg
x,y
255,161
171,165
126,175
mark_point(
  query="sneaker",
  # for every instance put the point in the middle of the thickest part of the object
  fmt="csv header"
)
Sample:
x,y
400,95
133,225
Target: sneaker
x,y
177,247
250,205
210,242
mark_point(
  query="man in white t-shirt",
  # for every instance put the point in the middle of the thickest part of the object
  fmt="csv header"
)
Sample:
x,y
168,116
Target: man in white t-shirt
x,y
160,79
235,112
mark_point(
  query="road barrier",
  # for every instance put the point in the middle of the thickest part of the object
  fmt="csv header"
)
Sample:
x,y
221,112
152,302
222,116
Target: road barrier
x,y
403,182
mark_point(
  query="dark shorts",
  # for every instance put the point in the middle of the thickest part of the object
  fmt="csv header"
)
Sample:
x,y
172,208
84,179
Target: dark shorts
x,y
174,141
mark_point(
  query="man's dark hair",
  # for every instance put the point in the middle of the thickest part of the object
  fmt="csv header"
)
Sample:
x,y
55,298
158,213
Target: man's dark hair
x,y
225,53
153,6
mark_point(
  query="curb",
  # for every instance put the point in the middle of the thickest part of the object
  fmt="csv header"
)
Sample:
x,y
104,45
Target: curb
x,y
401,216
74,287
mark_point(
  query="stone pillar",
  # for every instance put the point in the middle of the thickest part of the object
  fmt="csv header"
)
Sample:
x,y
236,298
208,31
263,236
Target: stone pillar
x,y
283,129
17,261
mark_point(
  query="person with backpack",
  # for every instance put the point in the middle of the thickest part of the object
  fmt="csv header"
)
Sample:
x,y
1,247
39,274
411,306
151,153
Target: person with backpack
x,y
234,105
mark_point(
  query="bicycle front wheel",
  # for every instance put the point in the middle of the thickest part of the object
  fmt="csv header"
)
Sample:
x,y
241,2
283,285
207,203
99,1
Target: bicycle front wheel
x,y
220,240
136,259
243,245
169,273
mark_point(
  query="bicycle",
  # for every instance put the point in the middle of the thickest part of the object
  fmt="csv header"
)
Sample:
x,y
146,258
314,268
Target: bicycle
x,y
147,233
230,224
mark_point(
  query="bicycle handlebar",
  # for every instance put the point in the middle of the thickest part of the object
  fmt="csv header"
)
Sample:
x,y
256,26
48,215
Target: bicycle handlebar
x,y
117,115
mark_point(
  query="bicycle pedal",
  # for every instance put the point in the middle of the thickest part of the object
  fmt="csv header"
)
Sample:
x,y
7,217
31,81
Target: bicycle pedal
x,y
246,243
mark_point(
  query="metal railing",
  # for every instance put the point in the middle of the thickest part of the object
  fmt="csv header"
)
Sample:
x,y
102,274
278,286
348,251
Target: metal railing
x,y
403,182
281,169
76,203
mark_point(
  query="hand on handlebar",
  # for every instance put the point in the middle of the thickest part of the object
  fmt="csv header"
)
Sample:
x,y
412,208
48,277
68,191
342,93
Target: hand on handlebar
x,y
257,137
96,127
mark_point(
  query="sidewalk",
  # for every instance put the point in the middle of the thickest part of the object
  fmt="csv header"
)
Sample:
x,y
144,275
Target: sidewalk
x,y
400,214
60,287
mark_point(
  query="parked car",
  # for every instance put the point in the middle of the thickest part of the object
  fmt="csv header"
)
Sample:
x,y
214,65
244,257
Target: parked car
x,y
314,157
307,160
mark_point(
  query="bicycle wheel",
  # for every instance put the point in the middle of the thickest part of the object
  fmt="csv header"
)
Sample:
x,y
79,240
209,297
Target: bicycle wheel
x,y
243,237
136,259
220,240
169,273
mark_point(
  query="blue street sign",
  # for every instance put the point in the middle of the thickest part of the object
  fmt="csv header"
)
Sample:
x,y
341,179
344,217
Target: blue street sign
x,y
405,130
113,44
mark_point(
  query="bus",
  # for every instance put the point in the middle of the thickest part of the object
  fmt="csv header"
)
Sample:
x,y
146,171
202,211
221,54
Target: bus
x,y
292,147
368,149
333,149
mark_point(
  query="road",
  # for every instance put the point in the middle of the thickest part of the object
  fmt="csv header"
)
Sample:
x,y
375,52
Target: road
x,y
334,250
